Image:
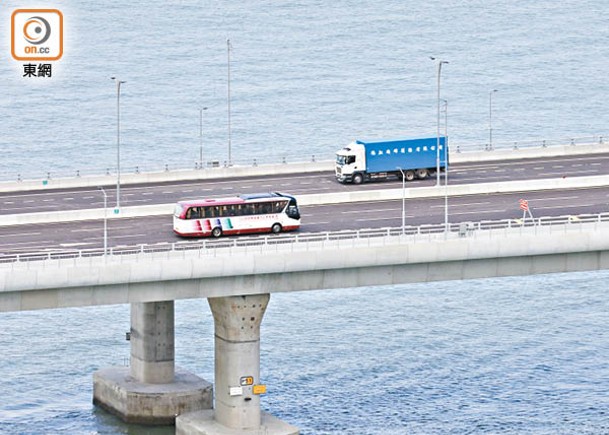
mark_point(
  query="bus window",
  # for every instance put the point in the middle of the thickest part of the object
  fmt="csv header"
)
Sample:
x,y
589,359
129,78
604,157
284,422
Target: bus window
x,y
280,206
195,213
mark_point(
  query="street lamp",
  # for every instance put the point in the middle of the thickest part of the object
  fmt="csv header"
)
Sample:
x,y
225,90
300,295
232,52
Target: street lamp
x,y
403,200
440,63
105,219
446,226
445,118
201,137
118,142
490,118
229,47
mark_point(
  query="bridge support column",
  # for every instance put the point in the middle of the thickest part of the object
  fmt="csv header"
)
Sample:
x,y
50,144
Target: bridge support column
x,y
152,342
237,388
151,390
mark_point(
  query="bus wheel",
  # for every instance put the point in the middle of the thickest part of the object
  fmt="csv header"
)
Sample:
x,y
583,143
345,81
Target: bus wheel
x,y
422,173
216,232
358,178
409,175
276,228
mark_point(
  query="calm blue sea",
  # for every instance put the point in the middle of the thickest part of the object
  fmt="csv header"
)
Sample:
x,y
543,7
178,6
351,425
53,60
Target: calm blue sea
x,y
504,356
496,356
307,77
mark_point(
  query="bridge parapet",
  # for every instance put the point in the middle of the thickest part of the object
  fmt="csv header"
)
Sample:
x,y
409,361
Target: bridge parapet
x,y
237,266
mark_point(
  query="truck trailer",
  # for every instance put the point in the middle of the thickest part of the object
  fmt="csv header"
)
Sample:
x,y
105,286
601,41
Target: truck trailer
x,y
411,158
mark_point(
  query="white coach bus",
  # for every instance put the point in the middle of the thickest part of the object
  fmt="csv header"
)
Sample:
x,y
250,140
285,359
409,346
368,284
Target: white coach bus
x,y
272,212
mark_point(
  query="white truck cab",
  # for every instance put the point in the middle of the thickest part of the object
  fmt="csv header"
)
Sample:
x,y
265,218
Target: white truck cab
x,y
350,161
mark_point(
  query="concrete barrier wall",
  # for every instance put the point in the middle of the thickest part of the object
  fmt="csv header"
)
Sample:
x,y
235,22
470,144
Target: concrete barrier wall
x,y
167,176
305,266
281,168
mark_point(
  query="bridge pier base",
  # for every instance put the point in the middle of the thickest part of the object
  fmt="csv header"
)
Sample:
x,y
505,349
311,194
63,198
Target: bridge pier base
x,y
237,387
151,390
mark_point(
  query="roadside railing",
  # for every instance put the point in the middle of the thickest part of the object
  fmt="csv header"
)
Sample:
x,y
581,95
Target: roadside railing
x,y
127,168
532,143
309,241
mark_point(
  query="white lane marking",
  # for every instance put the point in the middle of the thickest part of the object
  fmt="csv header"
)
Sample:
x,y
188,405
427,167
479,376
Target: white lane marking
x,y
147,193
461,204
19,234
129,235
553,198
131,201
69,198
550,207
383,218
367,211
477,212
36,243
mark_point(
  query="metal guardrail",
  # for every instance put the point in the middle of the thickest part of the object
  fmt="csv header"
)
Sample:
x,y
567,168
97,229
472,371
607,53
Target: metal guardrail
x,y
534,143
177,166
413,233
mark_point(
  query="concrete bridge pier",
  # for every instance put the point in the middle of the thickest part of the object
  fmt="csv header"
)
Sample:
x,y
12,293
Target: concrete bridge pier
x,y
238,385
151,390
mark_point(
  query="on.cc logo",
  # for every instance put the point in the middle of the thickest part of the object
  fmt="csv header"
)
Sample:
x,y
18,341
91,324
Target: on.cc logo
x,y
36,34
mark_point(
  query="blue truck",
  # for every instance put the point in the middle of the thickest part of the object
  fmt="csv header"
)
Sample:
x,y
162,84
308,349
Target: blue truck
x,y
411,158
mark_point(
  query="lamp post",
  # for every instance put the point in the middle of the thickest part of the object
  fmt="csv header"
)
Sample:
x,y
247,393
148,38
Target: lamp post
x,y
105,220
403,200
440,63
446,226
445,118
490,119
201,136
229,47
118,142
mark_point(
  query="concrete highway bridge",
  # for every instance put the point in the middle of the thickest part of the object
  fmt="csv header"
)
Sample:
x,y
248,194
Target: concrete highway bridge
x,y
238,275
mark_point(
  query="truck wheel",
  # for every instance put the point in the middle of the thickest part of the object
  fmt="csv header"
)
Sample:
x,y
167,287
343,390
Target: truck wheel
x,y
216,232
409,175
358,179
422,173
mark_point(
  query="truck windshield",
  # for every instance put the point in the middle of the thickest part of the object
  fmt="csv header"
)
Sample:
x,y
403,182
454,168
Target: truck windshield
x,y
344,160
